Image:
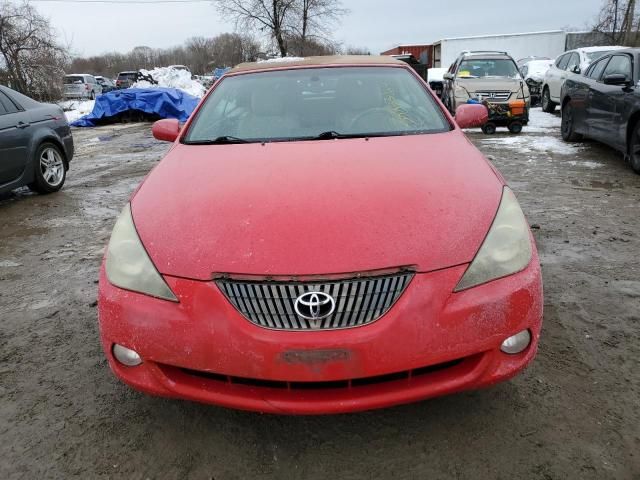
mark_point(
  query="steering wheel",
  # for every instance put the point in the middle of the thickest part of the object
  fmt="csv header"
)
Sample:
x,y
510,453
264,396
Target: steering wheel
x,y
381,112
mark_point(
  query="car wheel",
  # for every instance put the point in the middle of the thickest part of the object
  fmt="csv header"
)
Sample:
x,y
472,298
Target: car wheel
x,y
634,149
515,127
548,106
567,126
489,128
50,172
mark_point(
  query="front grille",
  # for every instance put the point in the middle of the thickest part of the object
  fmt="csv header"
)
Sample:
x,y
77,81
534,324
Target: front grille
x,y
357,301
494,95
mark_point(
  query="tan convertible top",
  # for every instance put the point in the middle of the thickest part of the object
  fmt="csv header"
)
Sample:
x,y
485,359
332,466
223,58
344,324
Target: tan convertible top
x,y
319,61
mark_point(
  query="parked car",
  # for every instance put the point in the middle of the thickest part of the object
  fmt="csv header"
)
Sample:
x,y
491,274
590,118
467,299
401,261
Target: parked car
x,y
436,80
36,145
126,79
180,67
531,58
533,73
81,85
604,104
106,83
347,249
418,66
491,76
569,63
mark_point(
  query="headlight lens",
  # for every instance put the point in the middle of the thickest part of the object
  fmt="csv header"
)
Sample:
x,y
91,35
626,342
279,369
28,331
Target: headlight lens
x,y
506,249
128,265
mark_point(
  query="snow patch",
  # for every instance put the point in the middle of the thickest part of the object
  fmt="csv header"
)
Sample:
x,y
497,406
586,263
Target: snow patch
x,y
529,144
74,109
168,77
282,60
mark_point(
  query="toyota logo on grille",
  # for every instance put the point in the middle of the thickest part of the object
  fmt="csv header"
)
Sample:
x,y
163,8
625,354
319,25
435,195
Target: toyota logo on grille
x,y
314,305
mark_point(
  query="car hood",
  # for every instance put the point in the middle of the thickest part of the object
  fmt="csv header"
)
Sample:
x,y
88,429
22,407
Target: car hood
x,y
318,207
473,85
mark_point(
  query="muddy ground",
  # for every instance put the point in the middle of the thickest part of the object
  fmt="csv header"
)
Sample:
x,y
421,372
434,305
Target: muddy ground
x,y
573,414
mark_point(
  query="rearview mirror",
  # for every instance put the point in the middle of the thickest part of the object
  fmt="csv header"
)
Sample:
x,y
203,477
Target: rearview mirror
x,y
166,130
448,76
616,79
471,115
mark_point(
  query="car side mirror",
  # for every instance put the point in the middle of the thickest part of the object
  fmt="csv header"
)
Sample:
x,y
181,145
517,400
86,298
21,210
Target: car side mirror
x,y
448,76
576,69
616,79
166,130
471,115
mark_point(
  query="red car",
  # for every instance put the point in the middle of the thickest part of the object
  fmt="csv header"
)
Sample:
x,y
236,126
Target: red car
x,y
320,238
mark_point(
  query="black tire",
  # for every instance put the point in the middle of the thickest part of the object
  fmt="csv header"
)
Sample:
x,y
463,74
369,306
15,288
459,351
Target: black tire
x,y
634,148
515,127
50,169
92,96
489,128
548,105
567,126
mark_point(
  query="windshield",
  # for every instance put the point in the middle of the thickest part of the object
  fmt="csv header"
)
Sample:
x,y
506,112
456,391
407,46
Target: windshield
x,y
592,56
70,79
304,103
501,67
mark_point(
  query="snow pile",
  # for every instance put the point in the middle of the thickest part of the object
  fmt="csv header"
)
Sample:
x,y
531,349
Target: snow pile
x,y
171,78
282,60
537,69
74,109
541,122
436,74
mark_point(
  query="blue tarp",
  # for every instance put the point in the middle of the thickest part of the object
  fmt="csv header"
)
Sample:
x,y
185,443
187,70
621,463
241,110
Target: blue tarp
x,y
164,102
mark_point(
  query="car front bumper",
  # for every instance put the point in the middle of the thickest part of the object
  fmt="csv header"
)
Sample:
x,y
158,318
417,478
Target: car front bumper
x,y
432,342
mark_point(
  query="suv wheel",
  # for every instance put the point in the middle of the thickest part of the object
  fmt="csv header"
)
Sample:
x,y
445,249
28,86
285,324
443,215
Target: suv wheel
x,y
548,105
567,127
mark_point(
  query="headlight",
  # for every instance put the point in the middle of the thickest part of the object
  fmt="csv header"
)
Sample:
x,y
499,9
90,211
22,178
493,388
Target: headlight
x,y
128,265
506,249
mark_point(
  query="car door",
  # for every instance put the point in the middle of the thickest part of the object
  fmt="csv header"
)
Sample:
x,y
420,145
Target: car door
x,y
14,140
607,102
556,76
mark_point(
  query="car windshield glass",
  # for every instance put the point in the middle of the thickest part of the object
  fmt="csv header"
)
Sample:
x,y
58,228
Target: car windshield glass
x,y
71,79
591,56
329,103
501,67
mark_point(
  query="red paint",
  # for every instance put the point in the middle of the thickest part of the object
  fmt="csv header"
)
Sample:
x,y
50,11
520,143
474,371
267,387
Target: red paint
x,y
320,208
471,116
166,130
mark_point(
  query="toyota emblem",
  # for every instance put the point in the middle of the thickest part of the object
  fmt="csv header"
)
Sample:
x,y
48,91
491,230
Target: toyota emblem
x,y
314,306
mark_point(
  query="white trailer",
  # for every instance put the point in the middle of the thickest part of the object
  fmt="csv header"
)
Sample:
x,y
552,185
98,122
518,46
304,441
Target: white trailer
x,y
518,45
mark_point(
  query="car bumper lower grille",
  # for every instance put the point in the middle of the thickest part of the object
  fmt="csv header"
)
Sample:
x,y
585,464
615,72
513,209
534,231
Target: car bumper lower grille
x,y
357,301
493,96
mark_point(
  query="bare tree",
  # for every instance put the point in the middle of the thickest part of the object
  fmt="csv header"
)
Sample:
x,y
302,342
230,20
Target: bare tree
x,y
31,59
314,20
351,50
272,17
619,22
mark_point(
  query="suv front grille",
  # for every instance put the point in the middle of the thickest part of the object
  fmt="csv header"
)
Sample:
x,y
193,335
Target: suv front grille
x,y
494,95
357,301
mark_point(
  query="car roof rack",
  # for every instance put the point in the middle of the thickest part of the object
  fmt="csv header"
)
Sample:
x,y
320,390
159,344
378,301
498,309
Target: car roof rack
x,y
483,51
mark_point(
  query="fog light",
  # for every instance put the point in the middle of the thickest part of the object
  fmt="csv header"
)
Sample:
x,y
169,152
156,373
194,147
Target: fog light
x,y
126,356
517,343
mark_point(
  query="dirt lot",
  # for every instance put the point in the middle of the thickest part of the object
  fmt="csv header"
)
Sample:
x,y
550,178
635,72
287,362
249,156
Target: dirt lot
x,y
573,414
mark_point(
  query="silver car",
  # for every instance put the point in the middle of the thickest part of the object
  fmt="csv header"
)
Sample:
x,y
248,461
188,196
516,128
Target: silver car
x,y
81,85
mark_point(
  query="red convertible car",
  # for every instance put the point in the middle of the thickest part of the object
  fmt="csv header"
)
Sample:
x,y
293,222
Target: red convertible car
x,y
320,238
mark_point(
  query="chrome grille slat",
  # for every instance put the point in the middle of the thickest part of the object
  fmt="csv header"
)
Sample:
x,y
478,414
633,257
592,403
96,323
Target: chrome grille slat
x,y
358,301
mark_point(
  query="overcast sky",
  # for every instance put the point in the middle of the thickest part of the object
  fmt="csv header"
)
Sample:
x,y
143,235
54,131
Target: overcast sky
x,y
93,28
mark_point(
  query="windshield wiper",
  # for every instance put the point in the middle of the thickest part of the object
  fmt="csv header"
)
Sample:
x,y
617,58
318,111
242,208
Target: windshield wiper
x,y
332,134
222,140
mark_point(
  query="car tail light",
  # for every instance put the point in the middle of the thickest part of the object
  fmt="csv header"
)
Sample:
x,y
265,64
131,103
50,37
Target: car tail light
x,y
86,86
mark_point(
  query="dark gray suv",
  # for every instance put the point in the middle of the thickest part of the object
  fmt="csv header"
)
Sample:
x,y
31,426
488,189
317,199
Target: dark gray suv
x,y
36,144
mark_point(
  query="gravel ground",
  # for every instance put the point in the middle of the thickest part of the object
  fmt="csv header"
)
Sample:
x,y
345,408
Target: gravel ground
x,y
573,414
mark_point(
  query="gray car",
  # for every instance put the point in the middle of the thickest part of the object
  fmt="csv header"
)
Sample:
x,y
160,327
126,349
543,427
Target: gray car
x,y
36,144
81,85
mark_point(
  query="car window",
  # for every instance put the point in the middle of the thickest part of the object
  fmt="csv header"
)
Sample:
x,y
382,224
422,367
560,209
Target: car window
x,y
500,67
573,62
592,56
563,61
3,110
9,106
596,69
619,65
71,79
302,103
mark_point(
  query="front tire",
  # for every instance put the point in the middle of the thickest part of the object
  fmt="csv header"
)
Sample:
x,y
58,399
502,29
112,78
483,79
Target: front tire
x,y
548,105
50,169
568,125
634,149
